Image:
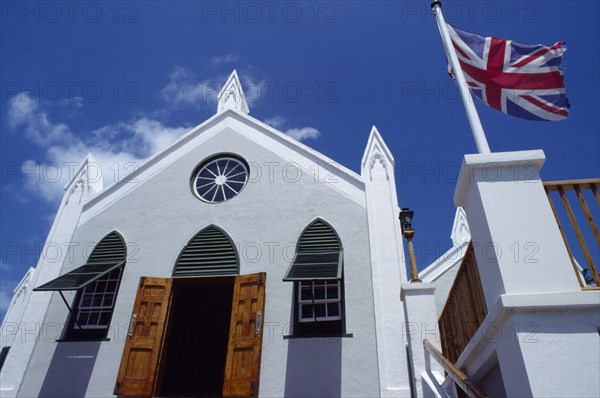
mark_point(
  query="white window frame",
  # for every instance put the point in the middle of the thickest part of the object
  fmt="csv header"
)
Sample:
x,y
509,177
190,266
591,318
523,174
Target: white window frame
x,y
313,302
217,181
91,291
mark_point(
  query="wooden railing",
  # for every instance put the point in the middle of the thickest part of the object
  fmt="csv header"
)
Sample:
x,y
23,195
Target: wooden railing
x,y
465,308
462,380
589,278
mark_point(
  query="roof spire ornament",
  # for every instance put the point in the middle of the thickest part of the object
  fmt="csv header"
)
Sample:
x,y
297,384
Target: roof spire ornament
x,y
232,96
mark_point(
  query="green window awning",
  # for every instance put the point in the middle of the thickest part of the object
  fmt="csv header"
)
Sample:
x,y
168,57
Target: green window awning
x,y
319,255
210,252
108,255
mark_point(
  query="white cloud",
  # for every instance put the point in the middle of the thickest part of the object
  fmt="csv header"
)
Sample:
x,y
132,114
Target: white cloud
x,y
143,136
154,135
224,59
25,111
300,134
303,133
119,148
184,89
74,102
276,121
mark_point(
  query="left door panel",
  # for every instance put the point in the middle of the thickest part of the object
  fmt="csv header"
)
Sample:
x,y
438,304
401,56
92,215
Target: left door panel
x,y
138,372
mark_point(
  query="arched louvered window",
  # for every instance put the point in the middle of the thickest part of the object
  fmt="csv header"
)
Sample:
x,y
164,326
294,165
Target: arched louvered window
x,y
97,284
210,252
318,254
111,249
318,285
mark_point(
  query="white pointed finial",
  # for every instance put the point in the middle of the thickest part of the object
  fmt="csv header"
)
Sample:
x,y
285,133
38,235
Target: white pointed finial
x,y
460,230
86,182
376,151
232,96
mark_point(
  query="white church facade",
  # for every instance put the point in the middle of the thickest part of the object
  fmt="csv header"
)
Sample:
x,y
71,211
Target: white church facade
x,y
239,262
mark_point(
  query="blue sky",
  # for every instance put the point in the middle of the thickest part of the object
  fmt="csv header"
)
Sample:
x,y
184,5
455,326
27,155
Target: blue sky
x,y
124,79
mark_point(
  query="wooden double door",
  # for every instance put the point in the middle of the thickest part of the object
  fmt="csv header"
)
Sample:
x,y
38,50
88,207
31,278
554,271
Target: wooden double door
x,y
145,366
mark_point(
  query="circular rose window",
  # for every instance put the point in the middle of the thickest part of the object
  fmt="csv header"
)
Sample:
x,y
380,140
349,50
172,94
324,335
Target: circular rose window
x,y
220,179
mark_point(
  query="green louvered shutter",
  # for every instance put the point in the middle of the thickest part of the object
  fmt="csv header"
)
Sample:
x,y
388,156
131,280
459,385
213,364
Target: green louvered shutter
x,y
111,249
318,256
109,253
211,252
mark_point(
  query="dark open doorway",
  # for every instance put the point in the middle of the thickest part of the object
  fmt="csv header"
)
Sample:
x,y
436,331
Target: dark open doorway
x,y
196,348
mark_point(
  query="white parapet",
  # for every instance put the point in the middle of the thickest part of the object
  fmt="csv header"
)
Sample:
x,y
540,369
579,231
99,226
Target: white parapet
x,y
421,324
540,335
517,242
537,345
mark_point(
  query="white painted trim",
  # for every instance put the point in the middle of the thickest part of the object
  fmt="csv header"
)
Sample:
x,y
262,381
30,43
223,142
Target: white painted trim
x,y
305,150
350,183
154,160
452,257
388,266
24,283
232,87
434,381
375,138
314,301
460,228
416,289
471,163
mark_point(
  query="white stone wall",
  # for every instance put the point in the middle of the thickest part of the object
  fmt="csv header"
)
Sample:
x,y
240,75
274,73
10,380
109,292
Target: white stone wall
x,y
160,215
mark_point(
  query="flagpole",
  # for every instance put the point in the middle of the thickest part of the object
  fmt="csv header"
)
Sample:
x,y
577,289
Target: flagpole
x,y
463,88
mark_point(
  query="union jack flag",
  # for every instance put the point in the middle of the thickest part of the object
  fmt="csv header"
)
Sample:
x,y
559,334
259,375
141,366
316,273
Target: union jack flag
x,y
518,79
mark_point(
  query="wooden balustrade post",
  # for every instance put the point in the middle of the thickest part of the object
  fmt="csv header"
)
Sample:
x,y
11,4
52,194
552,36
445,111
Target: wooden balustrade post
x,y
578,186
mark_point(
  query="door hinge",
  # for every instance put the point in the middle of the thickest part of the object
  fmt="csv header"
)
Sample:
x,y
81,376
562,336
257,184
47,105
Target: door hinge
x,y
261,278
142,280
117,388
252,389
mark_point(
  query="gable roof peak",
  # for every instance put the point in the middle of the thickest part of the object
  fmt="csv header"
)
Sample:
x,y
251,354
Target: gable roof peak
x,y
376,146
232,95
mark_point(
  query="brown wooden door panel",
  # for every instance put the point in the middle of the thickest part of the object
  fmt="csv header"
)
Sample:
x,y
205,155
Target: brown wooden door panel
x,y
245,339
139,363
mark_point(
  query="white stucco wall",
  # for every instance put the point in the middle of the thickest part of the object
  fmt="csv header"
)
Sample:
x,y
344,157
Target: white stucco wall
x,y
546,345
158,218
31,328
499,192
442,272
